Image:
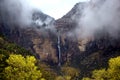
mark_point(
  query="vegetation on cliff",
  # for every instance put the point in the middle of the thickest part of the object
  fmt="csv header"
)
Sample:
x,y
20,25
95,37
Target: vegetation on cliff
x,y
16,63
111,73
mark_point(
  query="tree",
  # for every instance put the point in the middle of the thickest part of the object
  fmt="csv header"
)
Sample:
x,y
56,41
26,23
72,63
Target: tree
x,y
114,68
63,78
86,78
111,73
22,68
100,74
3,56
47,72
70,72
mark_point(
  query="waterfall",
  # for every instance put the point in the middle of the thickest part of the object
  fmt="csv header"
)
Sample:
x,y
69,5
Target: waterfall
x,y
59,49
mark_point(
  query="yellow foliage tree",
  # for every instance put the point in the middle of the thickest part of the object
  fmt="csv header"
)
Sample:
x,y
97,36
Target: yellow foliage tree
x,y
22,68
112,73
114,68
63,78
70,72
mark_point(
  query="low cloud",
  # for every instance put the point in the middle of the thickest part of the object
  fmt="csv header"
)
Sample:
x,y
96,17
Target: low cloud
x,y
100,16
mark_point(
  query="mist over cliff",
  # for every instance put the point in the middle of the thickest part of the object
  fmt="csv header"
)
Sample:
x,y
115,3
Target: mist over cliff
x,y
23,13
84,38
99,16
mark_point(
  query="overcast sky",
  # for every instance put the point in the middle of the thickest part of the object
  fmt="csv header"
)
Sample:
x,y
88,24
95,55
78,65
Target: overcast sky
x,y
55,8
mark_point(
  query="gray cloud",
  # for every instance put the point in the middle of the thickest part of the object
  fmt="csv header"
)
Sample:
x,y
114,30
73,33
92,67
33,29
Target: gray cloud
x,y
21,12
16,11
100,15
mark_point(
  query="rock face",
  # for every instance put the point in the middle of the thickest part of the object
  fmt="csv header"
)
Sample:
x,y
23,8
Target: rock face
x,y
41,39
87,53
91,52
36,37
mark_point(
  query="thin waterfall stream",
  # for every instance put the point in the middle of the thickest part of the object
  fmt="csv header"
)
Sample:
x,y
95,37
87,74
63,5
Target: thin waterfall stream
x,y
59,49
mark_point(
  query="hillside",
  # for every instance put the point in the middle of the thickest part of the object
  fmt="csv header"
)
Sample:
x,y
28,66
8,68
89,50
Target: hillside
x,y
60,43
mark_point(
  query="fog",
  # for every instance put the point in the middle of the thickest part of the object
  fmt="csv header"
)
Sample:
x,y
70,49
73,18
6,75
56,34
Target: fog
x,y
17,11
99,16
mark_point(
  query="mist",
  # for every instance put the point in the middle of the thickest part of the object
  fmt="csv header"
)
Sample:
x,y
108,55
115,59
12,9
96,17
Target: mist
x,y
99,16
17,11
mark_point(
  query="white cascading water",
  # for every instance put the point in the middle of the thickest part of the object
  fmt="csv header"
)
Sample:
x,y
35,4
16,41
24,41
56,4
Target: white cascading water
x,y
59,49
